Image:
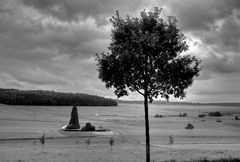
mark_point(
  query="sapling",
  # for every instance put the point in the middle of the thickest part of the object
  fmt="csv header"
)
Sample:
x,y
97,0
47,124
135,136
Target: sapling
x,y
42,140
171,140
111,142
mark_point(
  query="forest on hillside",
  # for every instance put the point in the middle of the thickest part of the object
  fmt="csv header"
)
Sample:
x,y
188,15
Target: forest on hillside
x,y
51,98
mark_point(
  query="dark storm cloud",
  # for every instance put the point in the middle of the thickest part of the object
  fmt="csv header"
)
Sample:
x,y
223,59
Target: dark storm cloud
x,y
74,10
27,35
200,15
225,37
222,64
38,76
67,39
217,24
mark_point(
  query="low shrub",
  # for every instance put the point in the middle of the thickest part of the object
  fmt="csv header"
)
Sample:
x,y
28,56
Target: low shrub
x,y
183,115
88,127
189,126
219,120
237,118
217,113
201,115
158,116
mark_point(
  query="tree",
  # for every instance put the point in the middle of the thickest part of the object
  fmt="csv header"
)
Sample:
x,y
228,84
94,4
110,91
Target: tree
x,y
145,57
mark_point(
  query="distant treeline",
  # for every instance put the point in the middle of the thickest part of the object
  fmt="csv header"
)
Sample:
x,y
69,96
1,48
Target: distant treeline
x,y
51,98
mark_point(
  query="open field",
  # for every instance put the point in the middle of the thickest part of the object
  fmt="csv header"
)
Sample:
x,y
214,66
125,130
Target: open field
x,y
21,126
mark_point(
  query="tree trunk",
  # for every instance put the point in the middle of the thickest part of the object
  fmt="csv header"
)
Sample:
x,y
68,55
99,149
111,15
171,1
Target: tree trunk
x,y
147,128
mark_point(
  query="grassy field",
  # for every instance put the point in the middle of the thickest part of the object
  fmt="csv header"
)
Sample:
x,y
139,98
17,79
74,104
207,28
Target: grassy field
x,y
22,126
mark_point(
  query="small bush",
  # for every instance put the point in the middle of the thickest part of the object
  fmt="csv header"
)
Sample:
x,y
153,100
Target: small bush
x,y
88,127
183,115
219,120
189,126
158,116
201,115
237,118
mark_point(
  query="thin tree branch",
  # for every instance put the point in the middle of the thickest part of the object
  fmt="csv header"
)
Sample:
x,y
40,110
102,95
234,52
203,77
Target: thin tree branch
x,y
139,91
135,87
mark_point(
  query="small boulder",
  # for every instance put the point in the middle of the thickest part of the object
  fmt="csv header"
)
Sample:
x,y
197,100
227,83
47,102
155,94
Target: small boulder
x,y
88,127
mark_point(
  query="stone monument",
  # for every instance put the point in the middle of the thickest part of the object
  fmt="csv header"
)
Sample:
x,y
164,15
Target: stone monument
x,y
73,123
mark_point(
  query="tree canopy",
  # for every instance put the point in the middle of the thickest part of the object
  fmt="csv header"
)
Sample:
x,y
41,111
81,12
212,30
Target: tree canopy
x,y
146,55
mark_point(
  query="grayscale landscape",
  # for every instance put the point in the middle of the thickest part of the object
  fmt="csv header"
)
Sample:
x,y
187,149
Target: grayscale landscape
x,y
119,80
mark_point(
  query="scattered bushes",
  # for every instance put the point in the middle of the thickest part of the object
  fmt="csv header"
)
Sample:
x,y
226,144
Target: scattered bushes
x,y
189,126
216,160
88,127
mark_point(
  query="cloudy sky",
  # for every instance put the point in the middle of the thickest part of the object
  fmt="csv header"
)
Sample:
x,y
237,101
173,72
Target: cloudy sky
x,y
51,44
